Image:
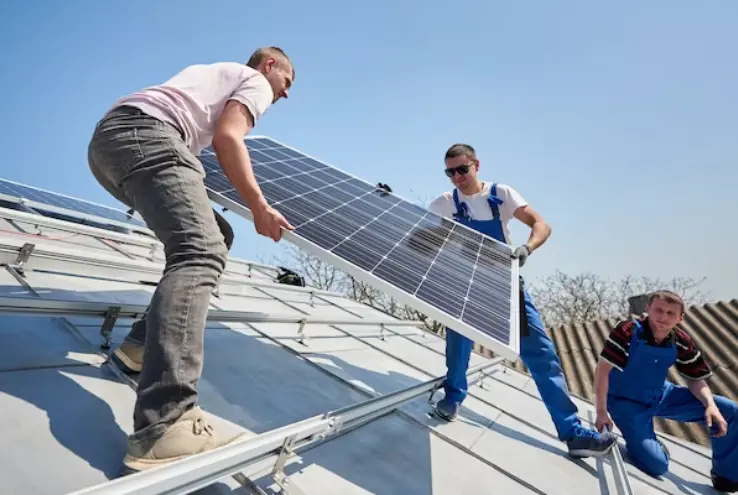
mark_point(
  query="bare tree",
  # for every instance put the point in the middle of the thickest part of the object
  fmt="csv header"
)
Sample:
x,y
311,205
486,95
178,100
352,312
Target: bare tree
x,y
562,298
316,272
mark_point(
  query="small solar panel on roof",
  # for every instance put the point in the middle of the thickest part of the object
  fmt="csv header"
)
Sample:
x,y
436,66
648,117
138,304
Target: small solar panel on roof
x,y
17,192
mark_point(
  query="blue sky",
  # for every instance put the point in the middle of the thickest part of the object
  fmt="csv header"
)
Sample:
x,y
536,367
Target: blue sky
x,y
617,122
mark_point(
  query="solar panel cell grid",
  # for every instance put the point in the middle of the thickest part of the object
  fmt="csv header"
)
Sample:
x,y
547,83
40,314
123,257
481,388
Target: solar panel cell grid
x,y
466,276
41,197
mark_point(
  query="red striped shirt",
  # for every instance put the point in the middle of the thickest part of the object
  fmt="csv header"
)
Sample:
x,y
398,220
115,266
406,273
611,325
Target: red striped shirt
x,y
690,362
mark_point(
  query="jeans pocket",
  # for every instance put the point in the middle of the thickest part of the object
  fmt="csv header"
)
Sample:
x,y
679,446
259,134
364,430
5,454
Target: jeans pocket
x,y
115,151
124,147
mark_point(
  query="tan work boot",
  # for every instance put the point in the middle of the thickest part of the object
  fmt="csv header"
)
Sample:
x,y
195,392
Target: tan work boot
x,y
128,357
190,435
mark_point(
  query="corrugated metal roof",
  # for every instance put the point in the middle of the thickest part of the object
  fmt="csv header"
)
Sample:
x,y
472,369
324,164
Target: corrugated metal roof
x,y
713,326
66,415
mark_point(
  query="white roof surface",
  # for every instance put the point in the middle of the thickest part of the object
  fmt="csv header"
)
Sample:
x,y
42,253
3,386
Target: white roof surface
x,y
66,414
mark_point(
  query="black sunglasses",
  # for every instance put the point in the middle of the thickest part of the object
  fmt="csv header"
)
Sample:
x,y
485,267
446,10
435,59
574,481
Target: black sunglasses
x,y
461,169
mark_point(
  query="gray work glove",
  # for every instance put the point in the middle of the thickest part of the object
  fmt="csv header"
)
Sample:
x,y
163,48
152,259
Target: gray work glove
x,y
521,254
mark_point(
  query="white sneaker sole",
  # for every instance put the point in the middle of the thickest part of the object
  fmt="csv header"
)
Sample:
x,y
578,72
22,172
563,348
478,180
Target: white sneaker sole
x,y
134,464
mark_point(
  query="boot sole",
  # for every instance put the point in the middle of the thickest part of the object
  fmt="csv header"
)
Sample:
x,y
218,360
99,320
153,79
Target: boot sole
x,y
449,419
124,363
133,465
582,453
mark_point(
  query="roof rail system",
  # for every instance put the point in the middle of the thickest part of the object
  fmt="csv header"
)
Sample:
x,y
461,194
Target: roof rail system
x,y
271,449
137,240
112,311
195,472
37,207
53,223
18,259
31,256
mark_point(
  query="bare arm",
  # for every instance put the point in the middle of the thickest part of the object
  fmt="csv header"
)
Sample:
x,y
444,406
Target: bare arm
x,y
601,385
234,124
701,390
713,418
228,142
539,229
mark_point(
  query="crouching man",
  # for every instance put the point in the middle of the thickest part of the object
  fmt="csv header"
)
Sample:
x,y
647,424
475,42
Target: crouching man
x,y
631,389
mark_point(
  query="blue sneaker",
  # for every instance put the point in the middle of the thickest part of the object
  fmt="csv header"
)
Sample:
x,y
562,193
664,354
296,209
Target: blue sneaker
x,y
589,443
447,410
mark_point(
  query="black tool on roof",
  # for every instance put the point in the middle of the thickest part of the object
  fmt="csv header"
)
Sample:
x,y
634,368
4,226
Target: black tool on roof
x,y
288,277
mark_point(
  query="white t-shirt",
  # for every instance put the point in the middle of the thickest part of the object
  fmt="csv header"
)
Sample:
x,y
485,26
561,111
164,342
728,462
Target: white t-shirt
x,y
193,100
478,207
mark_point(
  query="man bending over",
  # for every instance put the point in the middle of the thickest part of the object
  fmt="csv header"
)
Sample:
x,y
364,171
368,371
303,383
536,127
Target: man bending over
x,y
144,153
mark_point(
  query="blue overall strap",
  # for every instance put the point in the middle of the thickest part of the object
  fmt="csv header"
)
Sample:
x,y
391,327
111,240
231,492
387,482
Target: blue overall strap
x,y
640,331
494,201
461,211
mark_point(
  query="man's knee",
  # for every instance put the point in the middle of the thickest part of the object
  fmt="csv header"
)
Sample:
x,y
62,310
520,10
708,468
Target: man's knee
x,y
203,248
650,456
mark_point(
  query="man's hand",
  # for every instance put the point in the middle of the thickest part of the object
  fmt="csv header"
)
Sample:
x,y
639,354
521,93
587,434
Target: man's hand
x,y
603,420
714,418
269,222
521,254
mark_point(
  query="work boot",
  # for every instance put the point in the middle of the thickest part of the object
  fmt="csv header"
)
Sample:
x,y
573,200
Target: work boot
x,y
586,442
190,435
128,357
723,484
447,410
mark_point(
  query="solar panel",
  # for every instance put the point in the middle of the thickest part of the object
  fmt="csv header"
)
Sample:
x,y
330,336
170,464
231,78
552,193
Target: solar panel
x,y
439,267
59,203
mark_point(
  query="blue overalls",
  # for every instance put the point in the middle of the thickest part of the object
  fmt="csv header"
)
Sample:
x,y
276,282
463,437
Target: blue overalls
x,y
536,349
640,393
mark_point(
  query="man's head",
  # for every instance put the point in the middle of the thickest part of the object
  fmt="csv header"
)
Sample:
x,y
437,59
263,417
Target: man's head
x,y
462,167
276,67
665,309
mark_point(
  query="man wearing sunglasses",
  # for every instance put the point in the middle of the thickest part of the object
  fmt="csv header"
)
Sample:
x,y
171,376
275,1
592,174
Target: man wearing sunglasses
x,y
488,207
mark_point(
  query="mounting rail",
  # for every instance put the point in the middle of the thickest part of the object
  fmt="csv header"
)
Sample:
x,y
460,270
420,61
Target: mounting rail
x,y
59,307
46,256
195,472
621,472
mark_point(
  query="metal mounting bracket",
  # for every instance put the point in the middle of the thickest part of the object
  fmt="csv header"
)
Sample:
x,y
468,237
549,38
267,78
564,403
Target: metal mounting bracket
x,y
23,256
278,471
106,330
481,381
433,392
301,331
152,252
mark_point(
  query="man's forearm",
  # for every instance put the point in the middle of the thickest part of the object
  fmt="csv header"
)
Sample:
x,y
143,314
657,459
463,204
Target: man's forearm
x,y
601,385
701,390
233,157
539,233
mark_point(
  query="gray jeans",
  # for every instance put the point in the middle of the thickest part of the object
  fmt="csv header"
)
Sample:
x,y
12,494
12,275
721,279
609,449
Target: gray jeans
x,y
137,335
145,164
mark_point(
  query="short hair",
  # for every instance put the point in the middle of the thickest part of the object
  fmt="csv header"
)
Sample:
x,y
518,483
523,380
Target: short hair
x,y
269,51
461,149
667,296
